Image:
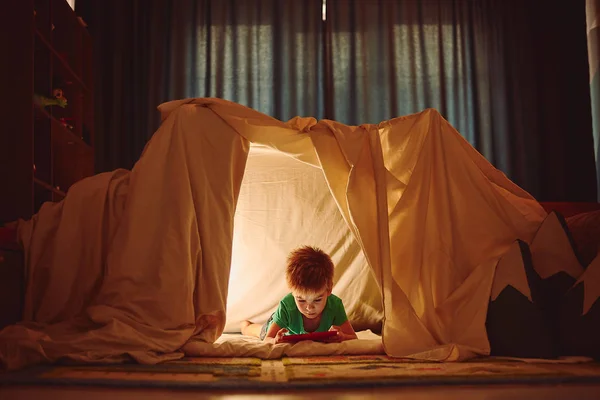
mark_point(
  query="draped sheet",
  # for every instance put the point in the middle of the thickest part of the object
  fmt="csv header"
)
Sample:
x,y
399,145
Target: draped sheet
x,y
284,203
137,264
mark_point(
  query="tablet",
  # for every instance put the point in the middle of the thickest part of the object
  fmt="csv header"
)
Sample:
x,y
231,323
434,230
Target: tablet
x,y
315,336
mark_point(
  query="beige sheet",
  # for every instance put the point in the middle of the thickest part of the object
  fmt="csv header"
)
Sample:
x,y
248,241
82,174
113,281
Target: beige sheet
x,y
137,264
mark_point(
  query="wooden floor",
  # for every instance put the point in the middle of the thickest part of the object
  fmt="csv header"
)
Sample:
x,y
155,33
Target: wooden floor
x,y
493,392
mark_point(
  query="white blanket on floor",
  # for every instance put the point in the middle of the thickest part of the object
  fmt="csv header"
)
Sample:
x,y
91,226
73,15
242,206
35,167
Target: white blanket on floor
x,y
235,345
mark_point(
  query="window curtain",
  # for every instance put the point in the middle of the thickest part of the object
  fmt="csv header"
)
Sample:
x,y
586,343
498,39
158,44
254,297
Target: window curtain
x,y
507,75
511,78
265,54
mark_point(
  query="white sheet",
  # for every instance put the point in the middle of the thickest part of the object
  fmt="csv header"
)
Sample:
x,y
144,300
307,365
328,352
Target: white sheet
x,y
236,345
283,204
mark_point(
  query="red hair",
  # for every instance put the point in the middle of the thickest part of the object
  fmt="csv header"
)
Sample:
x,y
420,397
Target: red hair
x,y
309,270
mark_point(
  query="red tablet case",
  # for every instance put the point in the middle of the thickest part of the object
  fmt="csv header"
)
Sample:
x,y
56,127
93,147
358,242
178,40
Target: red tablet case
x,y
315,336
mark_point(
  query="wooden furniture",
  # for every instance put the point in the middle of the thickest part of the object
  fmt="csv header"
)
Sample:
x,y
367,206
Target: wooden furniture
x,y
43,149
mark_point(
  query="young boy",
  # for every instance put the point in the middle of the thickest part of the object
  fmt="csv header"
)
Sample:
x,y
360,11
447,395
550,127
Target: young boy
x,y
310,307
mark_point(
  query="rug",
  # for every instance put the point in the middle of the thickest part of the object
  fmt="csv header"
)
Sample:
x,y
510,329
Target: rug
x,y
305,372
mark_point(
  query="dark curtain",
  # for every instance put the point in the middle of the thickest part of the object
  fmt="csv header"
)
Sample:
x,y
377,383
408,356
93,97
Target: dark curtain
x,y
510,75
265,54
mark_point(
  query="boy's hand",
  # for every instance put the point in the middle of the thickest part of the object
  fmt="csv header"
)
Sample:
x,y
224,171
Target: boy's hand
x,y
280,334
337,338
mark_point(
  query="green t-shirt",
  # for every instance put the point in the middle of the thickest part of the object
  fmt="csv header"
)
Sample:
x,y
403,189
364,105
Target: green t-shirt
x,y
288,316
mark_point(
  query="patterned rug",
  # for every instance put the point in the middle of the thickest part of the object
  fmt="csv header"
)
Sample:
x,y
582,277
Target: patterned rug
x,y
302,372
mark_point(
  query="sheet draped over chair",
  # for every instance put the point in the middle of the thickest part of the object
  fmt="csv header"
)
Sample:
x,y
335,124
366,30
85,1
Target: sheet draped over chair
x,y
136,264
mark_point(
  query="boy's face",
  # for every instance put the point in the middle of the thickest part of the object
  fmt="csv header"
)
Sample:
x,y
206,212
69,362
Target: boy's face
x,y
311,304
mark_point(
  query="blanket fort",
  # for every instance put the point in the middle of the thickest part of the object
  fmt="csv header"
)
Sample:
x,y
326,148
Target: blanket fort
x,y
136,264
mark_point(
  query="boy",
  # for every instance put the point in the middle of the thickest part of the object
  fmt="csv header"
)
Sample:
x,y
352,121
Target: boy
x,y
310,307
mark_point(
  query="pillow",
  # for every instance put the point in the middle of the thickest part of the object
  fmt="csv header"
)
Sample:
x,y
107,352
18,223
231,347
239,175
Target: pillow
x,y
585,229
579,315
516,326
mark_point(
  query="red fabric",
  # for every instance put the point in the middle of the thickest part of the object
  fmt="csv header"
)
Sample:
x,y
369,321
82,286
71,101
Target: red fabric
x,y
583,220
8,239
568,209
585,231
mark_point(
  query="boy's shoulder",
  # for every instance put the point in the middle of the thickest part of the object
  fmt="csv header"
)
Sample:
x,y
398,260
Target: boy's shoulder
x,y
288,300
334,300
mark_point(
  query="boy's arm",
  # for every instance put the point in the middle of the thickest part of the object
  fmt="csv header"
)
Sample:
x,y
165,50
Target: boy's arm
x,y
345,332
348,330
345,329
274,334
